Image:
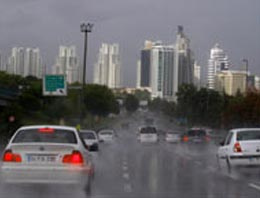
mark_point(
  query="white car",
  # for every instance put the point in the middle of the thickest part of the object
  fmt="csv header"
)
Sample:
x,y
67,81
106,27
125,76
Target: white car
x,y
46,154
90,138
240,148
148,134
106,135
172,137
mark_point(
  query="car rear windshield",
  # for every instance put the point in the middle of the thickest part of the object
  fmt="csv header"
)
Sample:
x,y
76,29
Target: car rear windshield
x,y
148,130
89,136
48,136
248,135
196,132
106,133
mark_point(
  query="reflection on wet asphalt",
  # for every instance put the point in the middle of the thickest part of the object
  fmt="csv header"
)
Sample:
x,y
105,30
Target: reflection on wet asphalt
x,y
127,168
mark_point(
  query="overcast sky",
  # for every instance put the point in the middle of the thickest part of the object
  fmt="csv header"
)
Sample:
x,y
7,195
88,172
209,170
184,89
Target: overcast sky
x,y
234,24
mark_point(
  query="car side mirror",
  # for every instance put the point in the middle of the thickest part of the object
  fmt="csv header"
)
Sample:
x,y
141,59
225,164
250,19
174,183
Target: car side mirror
x,y
222,143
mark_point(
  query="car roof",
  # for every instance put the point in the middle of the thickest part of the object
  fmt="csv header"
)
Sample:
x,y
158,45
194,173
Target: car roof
x,y
47,126
244,129
106,130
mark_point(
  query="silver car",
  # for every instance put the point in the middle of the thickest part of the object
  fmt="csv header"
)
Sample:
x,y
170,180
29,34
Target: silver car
x,y
46,154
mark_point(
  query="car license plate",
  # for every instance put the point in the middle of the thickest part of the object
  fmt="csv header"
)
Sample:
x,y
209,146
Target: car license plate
x,y
41,158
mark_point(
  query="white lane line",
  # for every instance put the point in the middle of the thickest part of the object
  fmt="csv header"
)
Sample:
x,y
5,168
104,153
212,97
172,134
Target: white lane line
x,y
126,176
127,187
254,186
125,168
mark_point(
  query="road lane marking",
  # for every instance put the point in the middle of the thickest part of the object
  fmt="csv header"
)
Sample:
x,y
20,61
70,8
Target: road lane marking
x,y
252,185
125,168
127,187
126,176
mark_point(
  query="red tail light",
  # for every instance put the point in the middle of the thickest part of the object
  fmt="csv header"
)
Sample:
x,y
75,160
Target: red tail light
x,y
11,157
74,158
46,130
207,138
237,148
185,138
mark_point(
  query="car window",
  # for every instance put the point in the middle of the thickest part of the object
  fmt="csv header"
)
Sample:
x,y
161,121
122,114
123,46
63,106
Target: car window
x,y
196,132
89,136
148,130
51,136
106,133
248,135
228,138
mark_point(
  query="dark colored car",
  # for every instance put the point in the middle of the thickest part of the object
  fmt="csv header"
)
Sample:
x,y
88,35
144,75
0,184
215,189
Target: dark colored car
x,y
196,135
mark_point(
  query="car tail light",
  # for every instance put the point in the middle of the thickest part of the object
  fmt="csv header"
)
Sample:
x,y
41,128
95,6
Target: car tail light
x,y
74,158
11,157
207,138
185,138
237,148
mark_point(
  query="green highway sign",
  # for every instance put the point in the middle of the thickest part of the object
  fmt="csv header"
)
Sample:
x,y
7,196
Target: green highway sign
x,y
54,85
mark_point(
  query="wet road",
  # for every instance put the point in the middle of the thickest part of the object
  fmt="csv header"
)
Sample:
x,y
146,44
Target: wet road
x,y
127,168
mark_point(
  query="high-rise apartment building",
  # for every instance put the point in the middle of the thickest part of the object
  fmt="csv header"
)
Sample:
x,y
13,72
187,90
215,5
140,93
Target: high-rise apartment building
x,y
32,63
138,75
25,62
107,70
230,82
146,64
184,59
218,62
67,64
16,61
162,71
197,75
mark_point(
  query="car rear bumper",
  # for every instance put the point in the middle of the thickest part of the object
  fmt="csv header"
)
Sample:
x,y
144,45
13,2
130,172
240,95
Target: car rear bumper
x,y
242,160
78,176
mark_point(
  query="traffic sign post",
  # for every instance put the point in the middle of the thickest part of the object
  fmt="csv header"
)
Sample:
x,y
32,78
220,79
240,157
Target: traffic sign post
x,y
54,85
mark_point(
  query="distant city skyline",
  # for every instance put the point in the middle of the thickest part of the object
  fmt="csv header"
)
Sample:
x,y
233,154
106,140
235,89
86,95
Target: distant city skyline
x,y
233,24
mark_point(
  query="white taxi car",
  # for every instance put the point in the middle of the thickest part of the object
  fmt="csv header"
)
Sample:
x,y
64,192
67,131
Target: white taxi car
x,y
148,134
240,148
106,135
46,154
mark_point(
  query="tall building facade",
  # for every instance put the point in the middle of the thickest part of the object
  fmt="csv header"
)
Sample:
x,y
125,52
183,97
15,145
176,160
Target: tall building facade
x,y
33,63
107,70
138,74
146,64
218,62
16,61
162,71
231,82
184,60
67,64
197,75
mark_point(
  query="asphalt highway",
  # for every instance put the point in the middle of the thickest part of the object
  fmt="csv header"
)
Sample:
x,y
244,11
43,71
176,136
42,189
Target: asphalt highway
x,y
126,168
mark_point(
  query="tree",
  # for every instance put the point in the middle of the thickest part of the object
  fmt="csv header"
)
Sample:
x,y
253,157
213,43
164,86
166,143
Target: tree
x,y
99,100
131,103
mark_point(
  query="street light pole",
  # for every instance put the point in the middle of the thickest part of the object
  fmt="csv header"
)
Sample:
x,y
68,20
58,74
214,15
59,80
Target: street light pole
x,y
246,62
85,28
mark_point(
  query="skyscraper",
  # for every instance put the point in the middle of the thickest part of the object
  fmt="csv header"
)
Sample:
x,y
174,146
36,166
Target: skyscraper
x,y
197,75
33,63
16,61
67,64
107,69
184,60
146,64
218,62
138,74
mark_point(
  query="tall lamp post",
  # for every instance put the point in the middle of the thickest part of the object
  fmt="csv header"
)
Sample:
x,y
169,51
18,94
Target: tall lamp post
x,y
246,64
85,28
